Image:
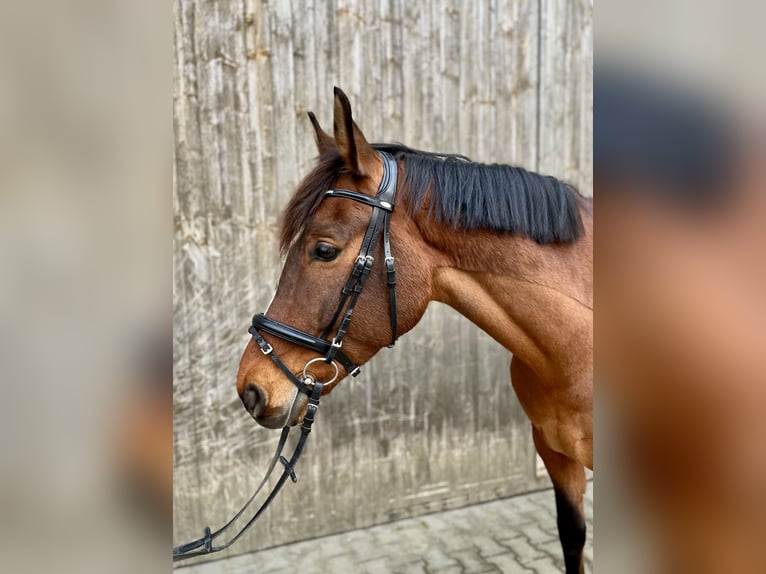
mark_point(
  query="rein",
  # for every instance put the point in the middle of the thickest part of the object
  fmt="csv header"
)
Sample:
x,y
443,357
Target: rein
x,y
383,206
204,545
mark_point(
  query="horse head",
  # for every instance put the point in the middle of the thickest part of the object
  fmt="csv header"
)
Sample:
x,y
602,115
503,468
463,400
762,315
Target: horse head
x,y
327,239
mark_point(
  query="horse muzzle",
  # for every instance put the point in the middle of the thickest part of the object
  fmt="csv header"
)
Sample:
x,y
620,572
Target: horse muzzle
x,y
256,402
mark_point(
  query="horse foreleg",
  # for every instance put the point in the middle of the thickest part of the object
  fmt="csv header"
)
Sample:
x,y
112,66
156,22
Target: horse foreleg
x,y
568,478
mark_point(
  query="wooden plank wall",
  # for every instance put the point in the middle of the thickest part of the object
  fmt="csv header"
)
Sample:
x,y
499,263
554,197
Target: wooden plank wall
x,y
434,423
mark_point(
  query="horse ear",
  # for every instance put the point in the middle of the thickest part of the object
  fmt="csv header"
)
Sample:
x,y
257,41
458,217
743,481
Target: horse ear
x,y
324,141
352,145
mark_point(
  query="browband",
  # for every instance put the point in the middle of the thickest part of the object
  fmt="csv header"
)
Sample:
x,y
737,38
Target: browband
x,y
360,198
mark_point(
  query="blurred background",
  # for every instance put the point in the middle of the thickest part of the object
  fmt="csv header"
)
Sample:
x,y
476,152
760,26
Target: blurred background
x,y
85,286
680,277
432,424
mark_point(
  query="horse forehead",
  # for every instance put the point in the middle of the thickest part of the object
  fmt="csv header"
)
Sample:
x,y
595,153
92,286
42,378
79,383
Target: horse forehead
x,y
331,227
339,215
367,184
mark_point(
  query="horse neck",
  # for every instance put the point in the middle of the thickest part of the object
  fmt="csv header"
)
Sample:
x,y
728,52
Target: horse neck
x,y
525,295
565,268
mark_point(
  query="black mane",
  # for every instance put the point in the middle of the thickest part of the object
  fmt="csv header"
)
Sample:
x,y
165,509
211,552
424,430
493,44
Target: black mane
x,y
472,196
458,193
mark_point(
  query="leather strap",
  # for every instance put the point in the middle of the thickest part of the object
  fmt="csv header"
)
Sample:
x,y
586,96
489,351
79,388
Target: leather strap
x,y
390,279
298,337
205,544
360,198
388,193
206,541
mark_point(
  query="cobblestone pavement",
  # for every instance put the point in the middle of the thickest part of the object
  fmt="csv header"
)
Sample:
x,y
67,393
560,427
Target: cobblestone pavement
x,y
513,535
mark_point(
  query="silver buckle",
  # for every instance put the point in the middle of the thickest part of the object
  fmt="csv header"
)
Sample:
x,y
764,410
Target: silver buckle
x,y
355,372
335,343
267,350
389,260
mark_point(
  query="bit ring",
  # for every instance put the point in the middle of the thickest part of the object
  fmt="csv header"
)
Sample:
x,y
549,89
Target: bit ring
x,y
304,375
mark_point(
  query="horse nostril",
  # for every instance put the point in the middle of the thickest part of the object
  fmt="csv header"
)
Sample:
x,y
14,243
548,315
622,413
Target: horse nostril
x,y
254,399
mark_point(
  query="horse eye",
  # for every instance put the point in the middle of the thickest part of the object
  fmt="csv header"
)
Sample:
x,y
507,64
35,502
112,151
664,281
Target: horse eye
x,y
325,252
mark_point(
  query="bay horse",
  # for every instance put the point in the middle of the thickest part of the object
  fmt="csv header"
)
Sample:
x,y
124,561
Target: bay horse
x,y
509,249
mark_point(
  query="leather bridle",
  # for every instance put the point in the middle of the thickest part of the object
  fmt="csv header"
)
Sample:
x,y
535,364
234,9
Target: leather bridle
x,y
382,207
329,349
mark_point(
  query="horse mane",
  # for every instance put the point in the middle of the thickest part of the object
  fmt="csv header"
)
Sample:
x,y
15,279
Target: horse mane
x,y
458,193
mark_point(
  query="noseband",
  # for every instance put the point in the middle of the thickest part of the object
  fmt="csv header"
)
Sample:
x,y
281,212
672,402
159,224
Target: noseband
x,y
382,207
329,349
